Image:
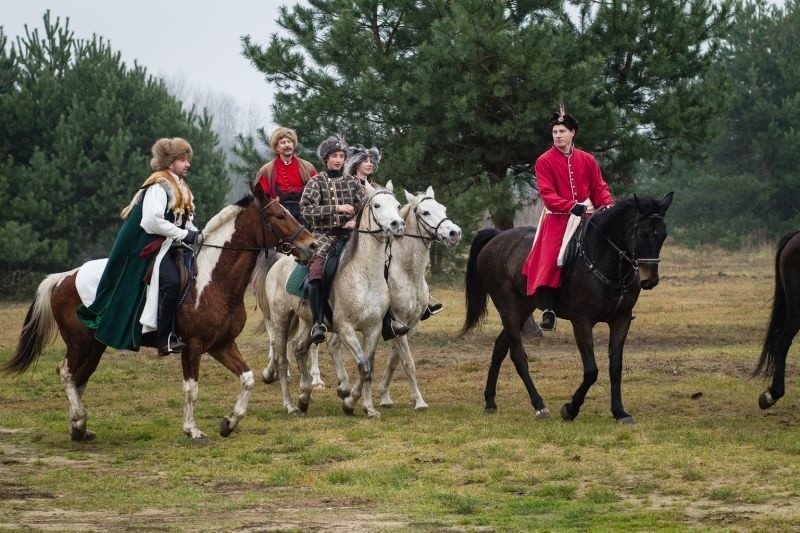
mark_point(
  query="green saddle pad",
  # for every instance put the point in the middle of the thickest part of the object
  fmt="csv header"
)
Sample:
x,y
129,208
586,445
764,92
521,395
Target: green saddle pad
x,y
295,283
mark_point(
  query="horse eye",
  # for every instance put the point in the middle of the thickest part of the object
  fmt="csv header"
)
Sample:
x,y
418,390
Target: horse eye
x,y
426,213
376,206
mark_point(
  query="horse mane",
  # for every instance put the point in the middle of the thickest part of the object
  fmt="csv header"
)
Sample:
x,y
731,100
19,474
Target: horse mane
x,y
228,212
608,218
352,244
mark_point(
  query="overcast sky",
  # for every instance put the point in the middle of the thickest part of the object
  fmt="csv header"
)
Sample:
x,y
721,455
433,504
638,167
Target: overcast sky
x,y
198,41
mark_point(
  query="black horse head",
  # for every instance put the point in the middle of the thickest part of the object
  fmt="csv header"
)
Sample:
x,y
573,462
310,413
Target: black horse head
x,y
649,233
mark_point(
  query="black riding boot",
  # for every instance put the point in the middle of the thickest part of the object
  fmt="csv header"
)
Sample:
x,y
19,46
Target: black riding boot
x,y
318,330
392,327
168,342
433,308
548,300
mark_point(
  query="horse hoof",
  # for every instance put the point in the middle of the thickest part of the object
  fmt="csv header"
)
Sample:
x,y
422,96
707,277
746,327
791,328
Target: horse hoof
x,y
422,407
490,410
387,405
318,386
541,414
372,413
342,393
267,376
565,414
303,405
225,428
81,435
765,401
626,420
347,407
202,438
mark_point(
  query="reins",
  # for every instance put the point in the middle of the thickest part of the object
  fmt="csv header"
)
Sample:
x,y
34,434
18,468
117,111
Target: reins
x,y
622,286
387,249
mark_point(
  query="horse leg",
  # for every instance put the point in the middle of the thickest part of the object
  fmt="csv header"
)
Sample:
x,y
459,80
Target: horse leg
x,y
302,344
335,351
780,349
231,358
316,377
281,351
498,355
370,345
402,352
583,337
349,339
191,371
74,372
270,373
520,359
618,332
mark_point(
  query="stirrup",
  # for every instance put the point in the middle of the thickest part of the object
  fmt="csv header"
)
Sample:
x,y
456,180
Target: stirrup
x,y
318,331
393,328
548,322
433,308
174,345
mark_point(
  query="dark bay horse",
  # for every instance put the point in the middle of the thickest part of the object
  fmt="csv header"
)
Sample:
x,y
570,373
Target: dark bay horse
x,y
784,321
617,257
209,320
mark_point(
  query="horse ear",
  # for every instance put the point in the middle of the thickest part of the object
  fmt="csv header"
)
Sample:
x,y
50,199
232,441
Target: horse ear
x,y
410,198
667,200
369,188
257,191
636,202
429,192
389,185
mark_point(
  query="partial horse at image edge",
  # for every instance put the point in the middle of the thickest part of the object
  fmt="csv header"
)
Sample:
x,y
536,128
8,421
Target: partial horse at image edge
x,y
784,321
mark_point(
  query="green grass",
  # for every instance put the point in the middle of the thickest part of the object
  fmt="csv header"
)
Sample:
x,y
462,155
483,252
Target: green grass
x,y
692,462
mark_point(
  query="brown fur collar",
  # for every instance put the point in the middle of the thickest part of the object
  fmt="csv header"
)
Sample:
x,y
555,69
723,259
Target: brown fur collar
x,y
182,204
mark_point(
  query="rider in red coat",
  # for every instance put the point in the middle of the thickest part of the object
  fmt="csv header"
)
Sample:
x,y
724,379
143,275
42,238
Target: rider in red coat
x,y
570,183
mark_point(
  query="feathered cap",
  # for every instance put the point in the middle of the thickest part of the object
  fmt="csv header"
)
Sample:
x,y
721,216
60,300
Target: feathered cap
x,y
334,143
563,118
357,154
282,133
167,151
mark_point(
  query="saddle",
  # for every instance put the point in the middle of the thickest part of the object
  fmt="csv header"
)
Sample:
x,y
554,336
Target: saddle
x,y
297,284
572,248
184,261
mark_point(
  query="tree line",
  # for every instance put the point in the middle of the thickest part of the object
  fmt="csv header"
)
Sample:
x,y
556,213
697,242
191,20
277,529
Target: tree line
x,y
697,96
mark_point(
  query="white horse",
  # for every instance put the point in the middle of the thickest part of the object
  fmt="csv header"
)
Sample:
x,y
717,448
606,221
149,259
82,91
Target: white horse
x,y
359,297
426,223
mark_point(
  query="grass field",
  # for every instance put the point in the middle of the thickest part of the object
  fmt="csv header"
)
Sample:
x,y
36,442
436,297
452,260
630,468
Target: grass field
x,y
702,455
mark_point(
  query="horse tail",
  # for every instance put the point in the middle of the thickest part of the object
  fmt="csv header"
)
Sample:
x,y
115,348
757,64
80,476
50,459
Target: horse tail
x,y
766,364
474,292
39,329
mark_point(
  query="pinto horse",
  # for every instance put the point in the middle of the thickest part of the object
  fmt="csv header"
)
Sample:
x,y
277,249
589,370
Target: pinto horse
x,y
784,321
617,256
210,318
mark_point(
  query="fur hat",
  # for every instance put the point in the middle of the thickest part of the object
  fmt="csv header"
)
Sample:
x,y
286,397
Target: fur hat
x,y
282,133
167,151
563,118
334,143
356,154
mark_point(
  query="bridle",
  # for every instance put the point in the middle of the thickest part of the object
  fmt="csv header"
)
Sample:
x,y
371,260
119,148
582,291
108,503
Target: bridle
x,y
381,228
283,244
432,231
623,258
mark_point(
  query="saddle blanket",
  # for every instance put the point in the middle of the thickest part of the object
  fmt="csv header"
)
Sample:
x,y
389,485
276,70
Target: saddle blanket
x,y
295,285
88,279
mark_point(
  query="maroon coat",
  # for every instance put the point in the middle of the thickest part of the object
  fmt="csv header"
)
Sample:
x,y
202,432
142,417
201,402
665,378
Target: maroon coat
x,y
564,181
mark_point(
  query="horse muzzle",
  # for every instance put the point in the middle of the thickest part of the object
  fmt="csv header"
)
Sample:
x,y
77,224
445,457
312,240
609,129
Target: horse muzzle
x,y
648,274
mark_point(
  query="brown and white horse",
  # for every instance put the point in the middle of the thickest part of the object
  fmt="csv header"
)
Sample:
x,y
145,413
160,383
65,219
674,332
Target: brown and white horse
x,y
209,320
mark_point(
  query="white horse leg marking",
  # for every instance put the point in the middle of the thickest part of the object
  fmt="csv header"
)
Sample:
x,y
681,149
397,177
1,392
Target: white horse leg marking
x,y
316,377
77,412
190,393
246,382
